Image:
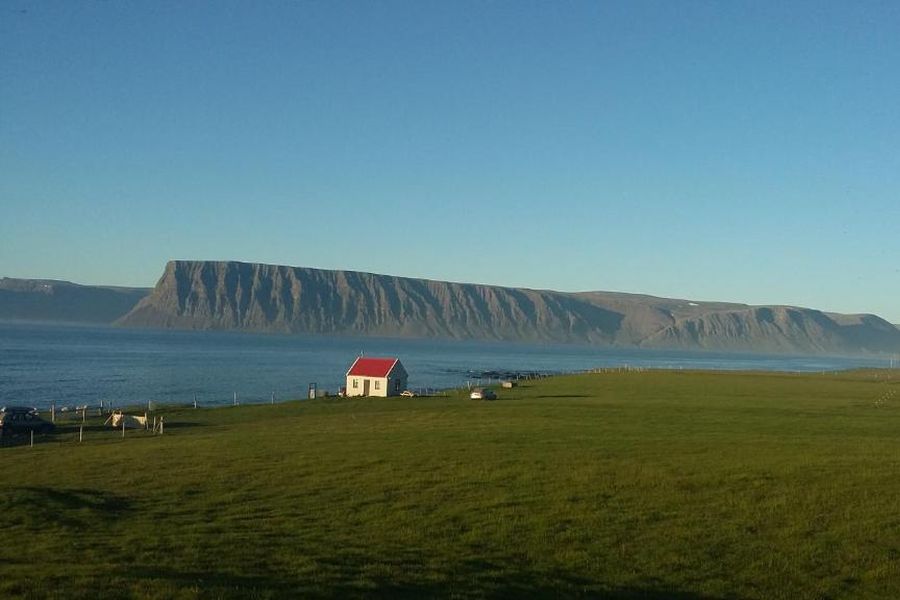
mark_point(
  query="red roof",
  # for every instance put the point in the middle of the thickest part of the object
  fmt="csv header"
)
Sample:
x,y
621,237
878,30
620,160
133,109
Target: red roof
x,y
372,367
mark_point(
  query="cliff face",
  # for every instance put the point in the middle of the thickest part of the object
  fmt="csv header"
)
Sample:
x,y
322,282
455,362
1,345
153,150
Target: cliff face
x,y
771,329
49,300
230,295
269,298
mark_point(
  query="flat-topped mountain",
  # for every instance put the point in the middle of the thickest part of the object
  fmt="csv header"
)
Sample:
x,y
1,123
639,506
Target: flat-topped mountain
x,y
271,298
51,300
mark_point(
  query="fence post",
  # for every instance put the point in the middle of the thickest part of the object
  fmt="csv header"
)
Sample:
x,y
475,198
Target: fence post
x,y
273,397
32,438
53,412
123,426
235,399
80,433
195,400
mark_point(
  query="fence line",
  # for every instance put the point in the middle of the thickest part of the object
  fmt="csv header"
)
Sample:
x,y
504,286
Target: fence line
x,y
62,413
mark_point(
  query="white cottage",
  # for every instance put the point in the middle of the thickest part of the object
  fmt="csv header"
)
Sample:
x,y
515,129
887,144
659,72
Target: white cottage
x,y
376,377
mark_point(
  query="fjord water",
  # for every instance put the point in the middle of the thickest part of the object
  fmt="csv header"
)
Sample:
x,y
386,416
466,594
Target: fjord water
x,y
76,365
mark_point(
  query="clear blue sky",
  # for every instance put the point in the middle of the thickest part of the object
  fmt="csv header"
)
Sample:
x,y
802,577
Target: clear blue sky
x,y
741,151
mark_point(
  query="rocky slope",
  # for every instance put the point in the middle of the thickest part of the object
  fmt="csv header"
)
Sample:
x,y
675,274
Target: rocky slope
x,y
50,300
270,298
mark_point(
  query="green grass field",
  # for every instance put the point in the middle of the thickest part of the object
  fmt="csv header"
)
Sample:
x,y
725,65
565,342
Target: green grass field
x,y
620,485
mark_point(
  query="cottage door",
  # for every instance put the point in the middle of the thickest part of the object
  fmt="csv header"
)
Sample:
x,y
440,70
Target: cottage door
x,y
365,387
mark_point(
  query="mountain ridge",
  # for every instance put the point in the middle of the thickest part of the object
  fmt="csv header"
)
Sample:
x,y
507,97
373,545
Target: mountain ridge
x,y
55,300
283,299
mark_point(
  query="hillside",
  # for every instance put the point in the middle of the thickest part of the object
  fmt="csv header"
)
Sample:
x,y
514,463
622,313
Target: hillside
x,y
50,300
271,298
668,485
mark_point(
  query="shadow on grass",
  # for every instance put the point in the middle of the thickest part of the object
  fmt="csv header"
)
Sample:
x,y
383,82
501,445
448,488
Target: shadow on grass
x,y
516,584
66,507
24,439
184,424
73,429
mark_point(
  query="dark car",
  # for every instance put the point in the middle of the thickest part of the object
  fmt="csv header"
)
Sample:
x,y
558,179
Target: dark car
x,y
22,419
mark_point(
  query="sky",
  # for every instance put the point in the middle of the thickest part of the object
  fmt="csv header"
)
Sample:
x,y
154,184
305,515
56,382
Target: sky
x,y
732,151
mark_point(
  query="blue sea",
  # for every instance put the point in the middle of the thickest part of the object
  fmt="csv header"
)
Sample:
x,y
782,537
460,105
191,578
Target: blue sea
x,y
72,365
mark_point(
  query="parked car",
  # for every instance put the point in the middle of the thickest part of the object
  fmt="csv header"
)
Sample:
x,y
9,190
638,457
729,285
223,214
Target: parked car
x,y
408,394
482,394
22,419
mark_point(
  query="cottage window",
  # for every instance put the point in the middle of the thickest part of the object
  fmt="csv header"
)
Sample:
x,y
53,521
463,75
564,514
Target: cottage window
x,y
397,385
355,383
377,384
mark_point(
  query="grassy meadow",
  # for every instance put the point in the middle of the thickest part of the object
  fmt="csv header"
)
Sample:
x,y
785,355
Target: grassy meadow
x,y
621,485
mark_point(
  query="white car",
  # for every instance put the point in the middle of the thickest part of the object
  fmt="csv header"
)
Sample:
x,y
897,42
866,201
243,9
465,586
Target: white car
x,y
482,394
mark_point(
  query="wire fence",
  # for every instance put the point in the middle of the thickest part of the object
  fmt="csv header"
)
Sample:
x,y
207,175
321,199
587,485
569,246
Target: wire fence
x,y
87,420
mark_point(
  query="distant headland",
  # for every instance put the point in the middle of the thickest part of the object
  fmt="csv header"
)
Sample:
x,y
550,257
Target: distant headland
x,y
208,295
